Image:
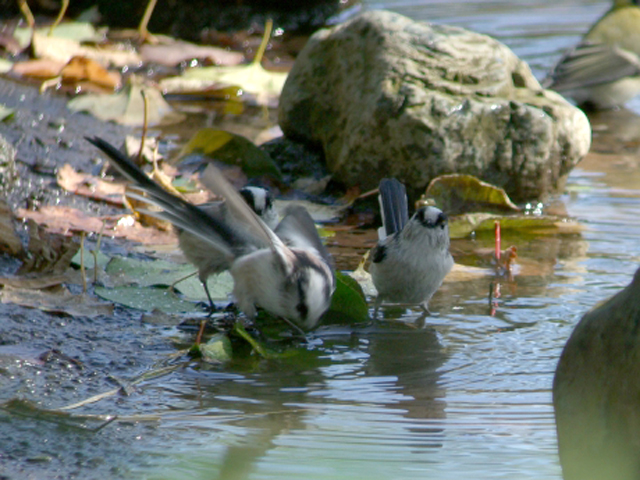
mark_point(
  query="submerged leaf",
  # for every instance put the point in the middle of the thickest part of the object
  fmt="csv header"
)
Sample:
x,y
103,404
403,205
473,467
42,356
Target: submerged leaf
x,y
465,193
217,349
462,225
232,149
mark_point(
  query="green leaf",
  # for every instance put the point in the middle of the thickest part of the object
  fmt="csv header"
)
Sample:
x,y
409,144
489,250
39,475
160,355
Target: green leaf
x,y
348,304
146,273
217,349
257,346
233,150
89,260
147,299
6,113
466,193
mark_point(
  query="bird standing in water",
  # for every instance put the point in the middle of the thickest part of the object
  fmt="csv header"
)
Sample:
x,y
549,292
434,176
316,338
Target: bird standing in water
x,y
412,256
603,70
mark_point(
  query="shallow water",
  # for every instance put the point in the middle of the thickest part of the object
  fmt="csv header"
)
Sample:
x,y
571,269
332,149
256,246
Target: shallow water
x,y
460,395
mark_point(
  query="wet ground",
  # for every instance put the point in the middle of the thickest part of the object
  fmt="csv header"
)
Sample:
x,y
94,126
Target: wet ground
x,y
463,394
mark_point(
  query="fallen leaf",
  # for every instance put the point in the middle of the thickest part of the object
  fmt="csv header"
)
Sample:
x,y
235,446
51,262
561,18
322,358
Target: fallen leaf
x,y
78,31
39,68
179,51
217,349
348,303
127,106
90,186
147,299
60,301
47,252
153,273
84,69
63,49
459,193
9,240
252,78
149,152
233,150
6,113
461,226
65,220
39,282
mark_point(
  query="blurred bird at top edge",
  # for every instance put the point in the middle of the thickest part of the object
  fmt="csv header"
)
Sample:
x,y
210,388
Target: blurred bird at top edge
x,y
603,70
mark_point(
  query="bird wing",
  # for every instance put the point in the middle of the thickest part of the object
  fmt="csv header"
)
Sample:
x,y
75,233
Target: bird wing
x,y
394,206
180,213
590,64
298,230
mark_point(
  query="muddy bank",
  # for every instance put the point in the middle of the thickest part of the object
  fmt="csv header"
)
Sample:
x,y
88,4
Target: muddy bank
x,y
55,360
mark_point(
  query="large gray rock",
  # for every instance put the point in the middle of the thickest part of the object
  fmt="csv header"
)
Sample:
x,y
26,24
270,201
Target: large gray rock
x,y
596,392
386,96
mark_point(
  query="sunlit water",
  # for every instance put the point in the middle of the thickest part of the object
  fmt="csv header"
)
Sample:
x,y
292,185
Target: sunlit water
x,y
461,395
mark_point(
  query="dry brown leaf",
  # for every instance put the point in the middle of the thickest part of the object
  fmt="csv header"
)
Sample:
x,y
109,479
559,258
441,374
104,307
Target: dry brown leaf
x,y
41,68
39,282
59,300
80,69
9,240
90,186
48,253
65,220
180,51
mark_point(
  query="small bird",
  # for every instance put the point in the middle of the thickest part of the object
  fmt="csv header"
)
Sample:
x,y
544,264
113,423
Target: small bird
x,y
288,272
412,256
200,254
603,70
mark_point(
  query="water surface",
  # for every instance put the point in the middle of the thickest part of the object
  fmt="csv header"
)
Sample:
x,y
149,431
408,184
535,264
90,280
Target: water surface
x,y
465,394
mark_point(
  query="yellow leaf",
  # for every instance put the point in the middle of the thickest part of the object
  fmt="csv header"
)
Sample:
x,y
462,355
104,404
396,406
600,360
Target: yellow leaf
x,y
466,193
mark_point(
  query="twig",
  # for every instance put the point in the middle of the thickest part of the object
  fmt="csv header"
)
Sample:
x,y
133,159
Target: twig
x,y
145,124
96,251
144,23
56,22
83,272
265,41
145,376
26,12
